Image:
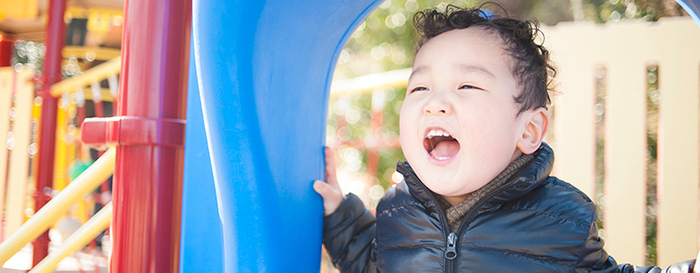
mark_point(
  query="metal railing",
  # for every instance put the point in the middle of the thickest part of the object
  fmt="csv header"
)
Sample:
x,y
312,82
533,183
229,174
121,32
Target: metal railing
x,y
88,181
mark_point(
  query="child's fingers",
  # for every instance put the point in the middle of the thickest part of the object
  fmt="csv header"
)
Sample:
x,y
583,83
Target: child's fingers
x,y
330,157
327,191
331,197
321,188
330,168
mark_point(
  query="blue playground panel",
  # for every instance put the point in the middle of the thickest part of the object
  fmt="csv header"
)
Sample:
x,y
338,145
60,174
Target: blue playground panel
x,y
692,7
201,244
264,71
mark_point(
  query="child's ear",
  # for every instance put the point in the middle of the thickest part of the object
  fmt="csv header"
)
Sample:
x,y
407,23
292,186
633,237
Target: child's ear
x,y
537,124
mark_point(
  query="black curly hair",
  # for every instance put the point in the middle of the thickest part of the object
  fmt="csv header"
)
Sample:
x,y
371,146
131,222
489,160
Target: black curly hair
x,y
529,64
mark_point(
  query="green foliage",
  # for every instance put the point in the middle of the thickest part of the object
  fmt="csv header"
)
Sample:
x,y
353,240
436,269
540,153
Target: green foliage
x,y
28,53
652,144
614,10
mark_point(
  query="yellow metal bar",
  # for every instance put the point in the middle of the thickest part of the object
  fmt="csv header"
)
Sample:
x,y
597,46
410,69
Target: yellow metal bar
x,y
106,95
64,146
74,192
80,12
97,73
19,10
81,65
5,104
17,180
98,53
78,239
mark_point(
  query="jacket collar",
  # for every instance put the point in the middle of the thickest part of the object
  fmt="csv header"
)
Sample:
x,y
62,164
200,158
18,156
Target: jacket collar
x,y
523,181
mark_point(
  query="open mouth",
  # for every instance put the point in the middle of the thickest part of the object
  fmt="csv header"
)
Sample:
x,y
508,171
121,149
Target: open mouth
x,y
440,145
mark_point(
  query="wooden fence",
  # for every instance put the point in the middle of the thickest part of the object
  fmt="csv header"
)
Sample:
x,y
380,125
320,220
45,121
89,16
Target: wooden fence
x,y
624,51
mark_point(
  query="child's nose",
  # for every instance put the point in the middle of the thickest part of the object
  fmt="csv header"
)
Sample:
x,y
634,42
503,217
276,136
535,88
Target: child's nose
x,y
438,107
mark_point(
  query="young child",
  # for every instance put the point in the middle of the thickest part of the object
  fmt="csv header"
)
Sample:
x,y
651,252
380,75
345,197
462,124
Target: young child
x,y
477,195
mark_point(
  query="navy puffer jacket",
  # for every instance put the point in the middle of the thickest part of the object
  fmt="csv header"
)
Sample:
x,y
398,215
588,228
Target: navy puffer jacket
x,y
535,223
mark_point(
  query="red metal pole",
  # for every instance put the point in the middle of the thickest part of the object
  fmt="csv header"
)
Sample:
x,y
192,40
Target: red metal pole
x,y
5,49
149,129
55,36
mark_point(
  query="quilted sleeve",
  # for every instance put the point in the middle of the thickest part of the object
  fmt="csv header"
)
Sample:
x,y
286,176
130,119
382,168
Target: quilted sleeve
x,y
348,235
593,257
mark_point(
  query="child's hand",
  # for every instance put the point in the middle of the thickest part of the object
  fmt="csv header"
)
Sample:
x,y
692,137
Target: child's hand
x,y
696,268
330,190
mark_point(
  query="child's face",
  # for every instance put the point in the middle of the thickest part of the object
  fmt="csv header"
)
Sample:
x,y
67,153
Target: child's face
x,y
461,85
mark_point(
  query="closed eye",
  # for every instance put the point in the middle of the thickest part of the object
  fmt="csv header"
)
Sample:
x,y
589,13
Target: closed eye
x,y
420,88
466,86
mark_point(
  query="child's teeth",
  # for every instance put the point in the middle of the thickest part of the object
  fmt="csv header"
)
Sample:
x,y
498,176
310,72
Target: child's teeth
x,y
436,132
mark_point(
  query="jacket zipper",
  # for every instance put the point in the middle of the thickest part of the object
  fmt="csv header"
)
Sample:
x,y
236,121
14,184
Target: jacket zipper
x,y
452,238
449,262
451,252
469,217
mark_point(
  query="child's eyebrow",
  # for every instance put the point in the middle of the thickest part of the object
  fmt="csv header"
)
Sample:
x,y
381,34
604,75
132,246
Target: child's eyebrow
x,y
419,70
475,68
465,68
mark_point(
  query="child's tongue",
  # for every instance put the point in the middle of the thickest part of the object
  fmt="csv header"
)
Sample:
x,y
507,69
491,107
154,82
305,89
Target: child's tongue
x,y
445,149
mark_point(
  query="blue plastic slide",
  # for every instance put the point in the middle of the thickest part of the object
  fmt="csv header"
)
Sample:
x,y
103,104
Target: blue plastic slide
x,y
264,70
201,243
692,7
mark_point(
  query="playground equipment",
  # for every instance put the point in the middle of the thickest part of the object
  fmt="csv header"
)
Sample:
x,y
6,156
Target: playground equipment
x,y
692,7
17,85
264,97
44,218
273,136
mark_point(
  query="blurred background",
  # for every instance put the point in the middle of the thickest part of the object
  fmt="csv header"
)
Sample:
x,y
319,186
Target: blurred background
x,y
362,119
